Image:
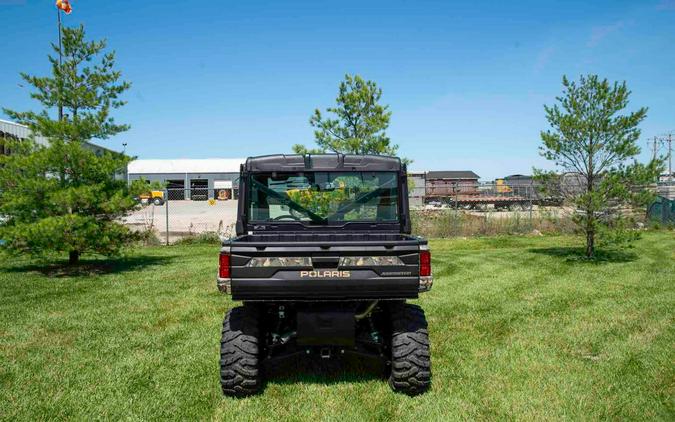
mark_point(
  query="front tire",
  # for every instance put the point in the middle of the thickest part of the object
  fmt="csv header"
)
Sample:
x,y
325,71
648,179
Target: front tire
x,y
240,374
410,356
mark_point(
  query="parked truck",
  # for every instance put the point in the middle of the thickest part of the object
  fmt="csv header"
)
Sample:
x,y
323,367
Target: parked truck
x,y
323,261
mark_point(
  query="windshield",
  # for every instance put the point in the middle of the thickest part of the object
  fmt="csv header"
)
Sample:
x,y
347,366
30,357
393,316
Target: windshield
x,y
324,197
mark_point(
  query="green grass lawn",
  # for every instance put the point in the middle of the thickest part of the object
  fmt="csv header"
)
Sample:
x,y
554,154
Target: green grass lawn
x,y
518,331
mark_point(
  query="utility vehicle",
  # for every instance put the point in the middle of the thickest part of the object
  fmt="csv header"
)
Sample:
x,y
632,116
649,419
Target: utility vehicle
x,y
153,196
324,262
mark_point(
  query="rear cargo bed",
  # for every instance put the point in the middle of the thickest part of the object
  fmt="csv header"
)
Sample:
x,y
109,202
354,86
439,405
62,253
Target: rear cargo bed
x,y
324,279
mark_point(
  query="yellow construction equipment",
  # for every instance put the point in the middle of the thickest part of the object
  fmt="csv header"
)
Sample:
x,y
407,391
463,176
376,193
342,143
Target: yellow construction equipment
x,y
154,196
502,187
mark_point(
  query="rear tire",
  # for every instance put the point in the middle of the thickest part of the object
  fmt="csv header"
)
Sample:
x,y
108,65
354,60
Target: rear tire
x,y
410,356
240,374
158,201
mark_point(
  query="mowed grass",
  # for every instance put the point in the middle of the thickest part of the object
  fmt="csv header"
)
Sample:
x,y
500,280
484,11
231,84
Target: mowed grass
x,y
518,329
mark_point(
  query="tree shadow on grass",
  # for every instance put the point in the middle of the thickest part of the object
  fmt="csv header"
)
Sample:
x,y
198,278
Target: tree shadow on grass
x,y
312,369
577,254
91,267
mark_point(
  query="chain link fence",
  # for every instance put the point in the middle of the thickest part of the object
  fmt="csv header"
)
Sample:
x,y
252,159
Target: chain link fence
x,y
187,213
182,213
453,210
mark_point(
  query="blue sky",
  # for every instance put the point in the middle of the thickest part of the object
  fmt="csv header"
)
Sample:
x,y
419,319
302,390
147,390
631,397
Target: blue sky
x,y
465,81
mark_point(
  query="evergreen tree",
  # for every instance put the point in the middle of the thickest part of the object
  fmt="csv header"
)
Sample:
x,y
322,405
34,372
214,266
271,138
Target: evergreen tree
x,y
598,147
359,125
64,197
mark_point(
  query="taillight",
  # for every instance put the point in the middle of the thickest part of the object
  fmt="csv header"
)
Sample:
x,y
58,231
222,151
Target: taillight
x,y
225,270
425,263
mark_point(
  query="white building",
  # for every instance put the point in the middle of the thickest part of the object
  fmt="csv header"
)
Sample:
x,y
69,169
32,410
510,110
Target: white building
x,y
197,179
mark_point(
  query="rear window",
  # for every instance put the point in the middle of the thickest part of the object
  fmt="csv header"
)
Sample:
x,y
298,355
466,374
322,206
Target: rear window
x,y
324,197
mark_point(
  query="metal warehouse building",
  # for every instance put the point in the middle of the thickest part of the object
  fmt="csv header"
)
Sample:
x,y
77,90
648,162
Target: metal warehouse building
x,y
195,179
18,131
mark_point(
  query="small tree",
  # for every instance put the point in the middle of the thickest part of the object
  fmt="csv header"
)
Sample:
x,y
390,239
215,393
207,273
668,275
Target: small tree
x,y
595,144
64,197
359,125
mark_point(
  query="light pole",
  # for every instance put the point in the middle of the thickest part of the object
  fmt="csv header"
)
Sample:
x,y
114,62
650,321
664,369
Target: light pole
x,y
61,5
58,18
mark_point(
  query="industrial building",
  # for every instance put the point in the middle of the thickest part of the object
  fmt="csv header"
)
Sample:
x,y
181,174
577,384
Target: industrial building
x,y
444,183
195,179
18,131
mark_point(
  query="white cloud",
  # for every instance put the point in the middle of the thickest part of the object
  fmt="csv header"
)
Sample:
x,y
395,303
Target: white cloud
x,y
600,32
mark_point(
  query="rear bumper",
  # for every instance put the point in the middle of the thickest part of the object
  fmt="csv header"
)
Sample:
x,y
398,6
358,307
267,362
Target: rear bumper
x,y
321,289
224,285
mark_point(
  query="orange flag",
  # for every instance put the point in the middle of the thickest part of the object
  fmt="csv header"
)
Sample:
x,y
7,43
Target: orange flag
x,y
64,5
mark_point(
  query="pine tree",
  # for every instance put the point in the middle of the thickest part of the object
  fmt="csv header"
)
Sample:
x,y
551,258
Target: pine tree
x,y
360,122
64,197
598,147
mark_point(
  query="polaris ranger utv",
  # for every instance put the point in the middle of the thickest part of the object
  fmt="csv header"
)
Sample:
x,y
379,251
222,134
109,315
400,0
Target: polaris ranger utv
x,y
324,261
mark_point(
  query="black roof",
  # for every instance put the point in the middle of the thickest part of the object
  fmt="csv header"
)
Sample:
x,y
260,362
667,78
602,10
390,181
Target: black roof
x,y
323,162
456,174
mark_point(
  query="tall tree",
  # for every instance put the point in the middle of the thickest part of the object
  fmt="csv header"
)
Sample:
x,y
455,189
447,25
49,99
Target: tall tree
x,y
64,197
596,145
359,125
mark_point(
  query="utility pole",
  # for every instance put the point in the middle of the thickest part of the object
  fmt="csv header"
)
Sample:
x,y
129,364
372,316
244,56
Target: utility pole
x,y
58,14
654,148
662,141
670,156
